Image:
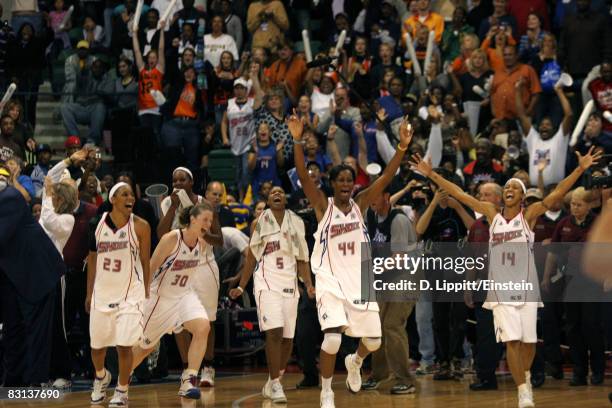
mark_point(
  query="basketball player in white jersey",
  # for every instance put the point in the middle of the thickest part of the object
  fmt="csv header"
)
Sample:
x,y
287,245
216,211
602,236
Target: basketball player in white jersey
x,y
117,284
336,260
514,312
173,304
276,267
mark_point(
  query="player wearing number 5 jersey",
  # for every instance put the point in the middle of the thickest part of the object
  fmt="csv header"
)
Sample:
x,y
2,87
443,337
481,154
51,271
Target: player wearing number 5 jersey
x,y
278,252
336,260
117,284
511,259
173,303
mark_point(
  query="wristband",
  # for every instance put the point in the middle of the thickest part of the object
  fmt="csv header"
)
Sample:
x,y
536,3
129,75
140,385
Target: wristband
x,y
299,142
399,147
241,290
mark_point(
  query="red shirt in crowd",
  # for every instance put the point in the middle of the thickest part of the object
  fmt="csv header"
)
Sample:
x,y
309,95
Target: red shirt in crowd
x,y
602,95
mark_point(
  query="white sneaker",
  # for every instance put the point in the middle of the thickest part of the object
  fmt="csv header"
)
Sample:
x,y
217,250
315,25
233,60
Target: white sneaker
x,y
327,399
189,386
207,377
278,395
98,394
61,384
266,391
525,397
353,379
120,399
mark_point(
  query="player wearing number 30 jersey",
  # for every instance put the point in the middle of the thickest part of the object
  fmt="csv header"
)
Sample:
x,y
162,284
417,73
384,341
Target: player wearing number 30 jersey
x,y
173,303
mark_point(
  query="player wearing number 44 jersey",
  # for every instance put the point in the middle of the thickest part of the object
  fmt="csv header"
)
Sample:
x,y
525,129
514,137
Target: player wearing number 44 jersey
x,y
336,261
173,304
278,251
117,284
511,259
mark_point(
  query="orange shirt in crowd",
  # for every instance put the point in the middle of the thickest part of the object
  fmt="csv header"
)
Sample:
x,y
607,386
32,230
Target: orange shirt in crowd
x,y
293,72
503,90
149,80
186,103
496,60
433,21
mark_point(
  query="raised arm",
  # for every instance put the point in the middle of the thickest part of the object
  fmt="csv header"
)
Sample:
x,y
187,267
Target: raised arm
x,y
315,196
370,194
161,49
424,167
424,220
566,124
520,108
539,208
259,93
332,147
362,157
137,53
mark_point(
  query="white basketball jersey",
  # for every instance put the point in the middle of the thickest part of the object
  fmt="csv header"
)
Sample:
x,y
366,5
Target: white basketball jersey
x,y
241,125
119,275
276,271
511,259
336,257
173,278
206,279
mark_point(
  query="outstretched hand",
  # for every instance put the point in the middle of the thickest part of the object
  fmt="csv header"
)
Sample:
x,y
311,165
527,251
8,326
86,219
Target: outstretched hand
x,y
422,166
589,159
296,126
406,132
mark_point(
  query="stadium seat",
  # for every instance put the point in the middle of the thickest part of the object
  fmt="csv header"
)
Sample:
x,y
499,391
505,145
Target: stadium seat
x,y
222,165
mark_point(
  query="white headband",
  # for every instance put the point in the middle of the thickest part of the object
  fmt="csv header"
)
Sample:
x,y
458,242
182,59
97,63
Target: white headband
x,y
185,169
115,188
518,181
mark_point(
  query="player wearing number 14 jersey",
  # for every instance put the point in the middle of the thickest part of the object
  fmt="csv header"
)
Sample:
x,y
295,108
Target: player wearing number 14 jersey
x,y
173,304
511,260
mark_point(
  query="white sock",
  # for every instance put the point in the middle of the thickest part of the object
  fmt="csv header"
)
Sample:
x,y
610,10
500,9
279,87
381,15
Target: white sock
x,y
326,384
357,359
187,372
528,377
276,380
523,388
122,388
101,374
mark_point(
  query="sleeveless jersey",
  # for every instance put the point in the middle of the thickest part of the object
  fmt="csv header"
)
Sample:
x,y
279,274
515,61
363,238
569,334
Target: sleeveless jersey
x,y
149,80
206,278
241,122
118,268
174,276
276,271
511,259
337,257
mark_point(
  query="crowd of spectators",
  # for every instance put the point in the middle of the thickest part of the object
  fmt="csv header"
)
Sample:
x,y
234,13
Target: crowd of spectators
x,y
225,74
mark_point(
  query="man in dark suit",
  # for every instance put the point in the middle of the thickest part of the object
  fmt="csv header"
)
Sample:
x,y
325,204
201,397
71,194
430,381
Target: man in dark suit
x,y
30,268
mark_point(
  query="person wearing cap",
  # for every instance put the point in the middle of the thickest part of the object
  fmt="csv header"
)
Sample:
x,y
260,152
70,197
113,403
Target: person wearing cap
x,y
40,170
88,107
27,309
288,71
74,65
238,125
533,195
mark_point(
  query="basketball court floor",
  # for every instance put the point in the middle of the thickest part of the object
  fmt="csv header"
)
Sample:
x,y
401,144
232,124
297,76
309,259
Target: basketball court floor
x,y
245,391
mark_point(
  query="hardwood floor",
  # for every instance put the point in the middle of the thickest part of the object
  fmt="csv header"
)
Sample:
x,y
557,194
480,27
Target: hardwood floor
x,y
245,391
